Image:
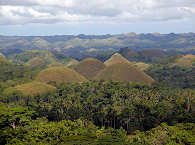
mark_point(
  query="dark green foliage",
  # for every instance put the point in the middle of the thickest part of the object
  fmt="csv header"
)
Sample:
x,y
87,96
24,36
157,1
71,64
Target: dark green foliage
x,y
178,77
33,131
16,74
180,134
113,104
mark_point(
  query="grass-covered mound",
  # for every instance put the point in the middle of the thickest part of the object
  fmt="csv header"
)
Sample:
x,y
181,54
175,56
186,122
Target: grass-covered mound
x,y
36,62
141,65
124,72
59,74
24,57
32,88
89,67
41,59
185,61
72,63
116,58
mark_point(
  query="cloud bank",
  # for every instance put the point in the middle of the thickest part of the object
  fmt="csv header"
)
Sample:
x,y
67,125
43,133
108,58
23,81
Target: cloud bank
x,y
13,12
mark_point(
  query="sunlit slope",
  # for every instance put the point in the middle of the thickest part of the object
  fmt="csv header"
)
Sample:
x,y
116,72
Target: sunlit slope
x,y
185,61
124,72
32,88
89,67
36,62
59,75
116,58
141,65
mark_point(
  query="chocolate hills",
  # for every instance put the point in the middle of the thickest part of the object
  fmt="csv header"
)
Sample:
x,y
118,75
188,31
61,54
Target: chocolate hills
x,y
24,57
59,75
129,54
185,61
41,58
89,67
141,65
116,58
36,62
32,88
124,72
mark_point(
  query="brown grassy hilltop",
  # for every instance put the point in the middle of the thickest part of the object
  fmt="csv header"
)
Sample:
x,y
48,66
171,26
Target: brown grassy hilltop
x,y
124,72
185,61
59,74
32,88
141,65
89,67
116,58
36,62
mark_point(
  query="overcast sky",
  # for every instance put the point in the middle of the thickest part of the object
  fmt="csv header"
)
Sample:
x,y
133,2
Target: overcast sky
x,y
56,17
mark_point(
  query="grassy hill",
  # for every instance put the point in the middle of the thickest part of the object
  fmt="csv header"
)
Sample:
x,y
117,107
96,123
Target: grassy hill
x,y
59,74
129,54
145,55
185,61
141,65
116,58
35,62
89,67
24,57
124,72
32,88
72,63
40,58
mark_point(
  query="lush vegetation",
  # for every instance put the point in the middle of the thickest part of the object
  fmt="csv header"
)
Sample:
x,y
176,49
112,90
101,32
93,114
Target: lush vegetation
x,y
81,113
72,110
178,77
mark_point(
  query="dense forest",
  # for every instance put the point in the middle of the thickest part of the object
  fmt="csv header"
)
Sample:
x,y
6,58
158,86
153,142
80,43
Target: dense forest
x,y
122,96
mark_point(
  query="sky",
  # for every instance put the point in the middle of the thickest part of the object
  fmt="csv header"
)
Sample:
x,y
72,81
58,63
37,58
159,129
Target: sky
x,y
62,17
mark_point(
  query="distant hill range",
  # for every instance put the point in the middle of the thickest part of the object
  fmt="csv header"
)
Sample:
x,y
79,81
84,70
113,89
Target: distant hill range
x,y
84,46
41,59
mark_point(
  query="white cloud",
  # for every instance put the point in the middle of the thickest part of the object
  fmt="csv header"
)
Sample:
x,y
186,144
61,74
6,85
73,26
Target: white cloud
x,y
115,11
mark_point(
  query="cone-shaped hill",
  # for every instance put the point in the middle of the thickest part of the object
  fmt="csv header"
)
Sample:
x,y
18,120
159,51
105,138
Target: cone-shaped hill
x,y
36,62
59,75
32,88
116,58
89,67
185,61
124,72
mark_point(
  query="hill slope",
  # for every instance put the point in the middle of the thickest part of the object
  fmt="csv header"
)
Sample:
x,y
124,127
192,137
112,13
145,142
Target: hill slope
x,y
116,58
32,88
89,67
124,72
184,61
141,65
35,62
59,74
